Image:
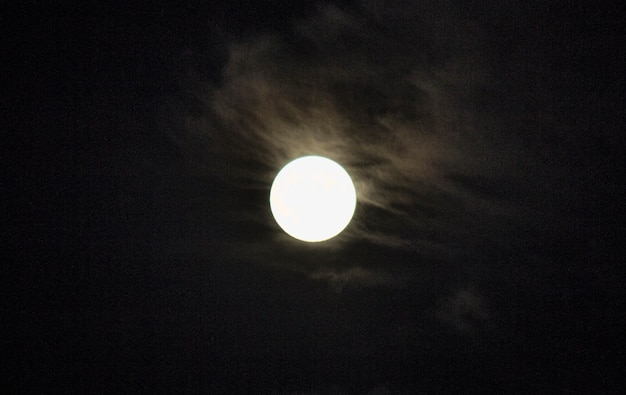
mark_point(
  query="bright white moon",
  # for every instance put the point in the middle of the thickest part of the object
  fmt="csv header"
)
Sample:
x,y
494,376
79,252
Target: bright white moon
x,y
313,198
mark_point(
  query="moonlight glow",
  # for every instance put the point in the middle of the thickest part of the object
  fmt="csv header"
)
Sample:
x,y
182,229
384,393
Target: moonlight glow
x,y
313,198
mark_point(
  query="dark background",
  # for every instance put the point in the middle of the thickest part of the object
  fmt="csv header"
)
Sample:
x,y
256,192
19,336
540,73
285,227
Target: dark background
x,y
133,263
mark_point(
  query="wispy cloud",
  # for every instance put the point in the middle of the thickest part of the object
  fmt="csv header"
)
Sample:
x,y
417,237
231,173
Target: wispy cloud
x,y
465,311
386,97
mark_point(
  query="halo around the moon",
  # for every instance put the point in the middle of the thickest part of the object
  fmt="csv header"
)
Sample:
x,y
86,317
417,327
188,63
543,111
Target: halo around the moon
x,y
313,198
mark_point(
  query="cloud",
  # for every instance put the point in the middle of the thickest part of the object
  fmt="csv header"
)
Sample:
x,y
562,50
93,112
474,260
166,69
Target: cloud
x,y
352,276
389,93
465,311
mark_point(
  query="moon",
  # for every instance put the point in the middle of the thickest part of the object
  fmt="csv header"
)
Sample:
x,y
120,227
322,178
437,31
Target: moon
x,y
312,198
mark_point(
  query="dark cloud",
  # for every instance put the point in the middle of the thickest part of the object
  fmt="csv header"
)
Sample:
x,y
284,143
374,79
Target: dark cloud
x,y
465,311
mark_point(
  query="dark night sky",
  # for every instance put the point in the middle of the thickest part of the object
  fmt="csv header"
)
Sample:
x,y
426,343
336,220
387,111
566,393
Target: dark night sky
x,y
485,142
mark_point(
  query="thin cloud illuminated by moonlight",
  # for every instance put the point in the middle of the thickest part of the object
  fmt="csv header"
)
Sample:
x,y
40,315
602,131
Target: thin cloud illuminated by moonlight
x,y
400,120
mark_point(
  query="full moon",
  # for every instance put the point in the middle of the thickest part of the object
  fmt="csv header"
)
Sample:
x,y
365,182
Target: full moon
x,y
312,198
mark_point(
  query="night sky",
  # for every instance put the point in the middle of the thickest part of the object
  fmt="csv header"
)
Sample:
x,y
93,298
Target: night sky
x,y
485,141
